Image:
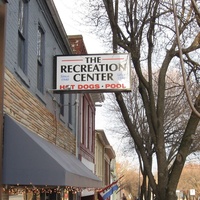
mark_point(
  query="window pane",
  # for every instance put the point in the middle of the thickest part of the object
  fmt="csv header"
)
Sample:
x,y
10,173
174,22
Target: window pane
x,y
21,52
40,56
62,100
22,26
39,44
70,109
21,17
40,78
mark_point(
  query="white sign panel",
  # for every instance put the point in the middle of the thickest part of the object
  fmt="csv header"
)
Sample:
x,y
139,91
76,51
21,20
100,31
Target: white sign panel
x,y
106,72
192,192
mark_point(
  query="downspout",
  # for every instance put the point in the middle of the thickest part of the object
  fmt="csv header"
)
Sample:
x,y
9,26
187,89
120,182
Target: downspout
x,y
78,196
77,125
2,70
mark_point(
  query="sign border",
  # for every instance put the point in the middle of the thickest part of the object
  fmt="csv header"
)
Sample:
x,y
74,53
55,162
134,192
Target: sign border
x,y
89,90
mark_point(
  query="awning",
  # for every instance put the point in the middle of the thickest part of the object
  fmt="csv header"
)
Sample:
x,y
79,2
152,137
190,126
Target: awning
x,y
30,159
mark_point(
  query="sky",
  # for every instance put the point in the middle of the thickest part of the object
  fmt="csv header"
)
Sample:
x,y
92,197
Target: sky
x,y
70,14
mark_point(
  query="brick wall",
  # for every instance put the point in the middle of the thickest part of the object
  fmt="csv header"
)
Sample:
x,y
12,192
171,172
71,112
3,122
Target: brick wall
x,y
77,44
29,111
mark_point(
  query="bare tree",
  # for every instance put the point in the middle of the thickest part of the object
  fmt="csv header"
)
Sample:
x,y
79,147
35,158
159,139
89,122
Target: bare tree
x,y
176,114
130,180
146,30
190,179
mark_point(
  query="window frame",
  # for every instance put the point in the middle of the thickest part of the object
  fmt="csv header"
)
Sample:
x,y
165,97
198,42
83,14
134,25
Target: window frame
x,y
62,106
70,110
22,35
88,121
40,58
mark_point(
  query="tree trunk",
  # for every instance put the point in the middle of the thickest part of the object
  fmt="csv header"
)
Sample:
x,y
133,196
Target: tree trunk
x,y
144,28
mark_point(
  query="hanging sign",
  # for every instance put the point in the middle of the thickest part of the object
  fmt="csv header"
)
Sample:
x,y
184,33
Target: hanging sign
x,y
103,73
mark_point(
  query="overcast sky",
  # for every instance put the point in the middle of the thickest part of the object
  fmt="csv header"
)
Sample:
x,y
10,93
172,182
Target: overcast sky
x,y
70,14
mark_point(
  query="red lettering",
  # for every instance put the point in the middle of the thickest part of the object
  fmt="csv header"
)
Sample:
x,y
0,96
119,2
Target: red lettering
x,y
115,86
67,87
63,87
88,86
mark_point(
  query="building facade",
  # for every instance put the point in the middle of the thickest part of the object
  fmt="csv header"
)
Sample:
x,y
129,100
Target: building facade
x,y
105,160
45,135
87,119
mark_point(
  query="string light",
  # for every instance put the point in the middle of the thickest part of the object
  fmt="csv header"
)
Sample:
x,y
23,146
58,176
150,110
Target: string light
x,y
20,189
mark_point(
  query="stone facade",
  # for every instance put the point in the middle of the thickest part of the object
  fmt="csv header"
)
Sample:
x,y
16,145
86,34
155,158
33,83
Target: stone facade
x,y
29,111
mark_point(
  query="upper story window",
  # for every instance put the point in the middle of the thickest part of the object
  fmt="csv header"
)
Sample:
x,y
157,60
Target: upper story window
x,y
40,59
21,17
62,106
88,128
70,113
22,34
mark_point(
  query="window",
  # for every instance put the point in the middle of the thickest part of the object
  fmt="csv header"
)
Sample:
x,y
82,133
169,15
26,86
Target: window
x,y
40,59
62,101
70,109
85,122
22,35
88,129
86,125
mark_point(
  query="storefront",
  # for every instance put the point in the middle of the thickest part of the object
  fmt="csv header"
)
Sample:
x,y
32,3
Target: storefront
x,y
34,168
